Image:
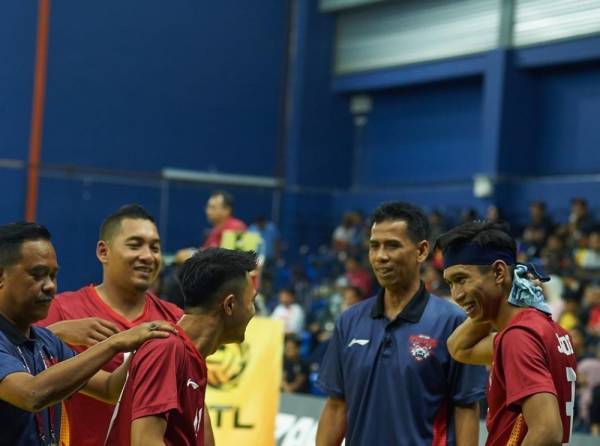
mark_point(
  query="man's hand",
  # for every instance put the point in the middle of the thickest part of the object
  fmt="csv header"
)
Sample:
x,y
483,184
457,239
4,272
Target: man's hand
x,y
131,339
87,332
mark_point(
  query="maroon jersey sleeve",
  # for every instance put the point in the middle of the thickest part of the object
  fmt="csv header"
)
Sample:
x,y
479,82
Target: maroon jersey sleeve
x,y
524,360
153,377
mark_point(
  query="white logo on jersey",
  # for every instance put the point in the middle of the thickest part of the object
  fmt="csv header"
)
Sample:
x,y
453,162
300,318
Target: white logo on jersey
x,y
192,384
564,344
358,341
197,419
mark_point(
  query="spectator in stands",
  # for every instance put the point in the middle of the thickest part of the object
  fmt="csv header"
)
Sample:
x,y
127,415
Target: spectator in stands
x,y
437,225
219,212
538,229
269,248
569,317
555,256
289,312
358,276
344,235
352,295
295,369
580,219
578,340
588,377
587,257
433,280
494,214
468,214
591,313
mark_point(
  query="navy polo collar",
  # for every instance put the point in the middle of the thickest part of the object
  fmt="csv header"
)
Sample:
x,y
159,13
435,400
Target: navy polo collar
x,y
11,332
411,312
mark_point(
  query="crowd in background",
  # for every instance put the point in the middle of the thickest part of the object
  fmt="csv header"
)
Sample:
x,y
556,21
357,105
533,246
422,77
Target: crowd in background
x,y
309,292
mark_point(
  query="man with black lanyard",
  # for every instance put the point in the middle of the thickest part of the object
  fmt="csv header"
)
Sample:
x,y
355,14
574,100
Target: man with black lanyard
x,y
33,376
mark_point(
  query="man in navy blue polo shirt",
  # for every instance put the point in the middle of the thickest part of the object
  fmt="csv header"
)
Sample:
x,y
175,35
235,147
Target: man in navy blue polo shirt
x,y
33,376
387,371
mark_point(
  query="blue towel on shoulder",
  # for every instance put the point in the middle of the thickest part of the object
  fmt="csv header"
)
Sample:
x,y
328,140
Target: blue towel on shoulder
x,y
524,293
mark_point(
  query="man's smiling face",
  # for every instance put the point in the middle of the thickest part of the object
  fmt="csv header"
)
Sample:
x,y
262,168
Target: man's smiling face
x,y
475,289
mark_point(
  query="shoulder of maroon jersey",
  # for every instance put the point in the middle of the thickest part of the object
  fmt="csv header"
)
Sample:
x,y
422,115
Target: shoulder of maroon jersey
x,y
522,328
77,294
157,347
169,307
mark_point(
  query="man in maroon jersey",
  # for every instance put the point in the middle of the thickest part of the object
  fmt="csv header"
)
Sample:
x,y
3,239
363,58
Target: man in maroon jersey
x,y
163,399
130,253
219,212
532,382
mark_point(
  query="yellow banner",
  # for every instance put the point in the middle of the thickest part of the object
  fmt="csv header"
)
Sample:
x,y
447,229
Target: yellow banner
x,y
243,386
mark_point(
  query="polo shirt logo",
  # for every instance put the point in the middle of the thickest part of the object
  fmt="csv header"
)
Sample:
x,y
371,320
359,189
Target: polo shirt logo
x,y
362,342
420,346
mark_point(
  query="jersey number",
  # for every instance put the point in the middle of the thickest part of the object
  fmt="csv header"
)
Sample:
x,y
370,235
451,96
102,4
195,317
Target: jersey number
x,y
571,377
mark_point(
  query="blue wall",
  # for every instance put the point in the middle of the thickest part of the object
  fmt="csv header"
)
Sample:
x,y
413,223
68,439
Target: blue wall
x,y
17,48
139,86
423,134
567,107
325,124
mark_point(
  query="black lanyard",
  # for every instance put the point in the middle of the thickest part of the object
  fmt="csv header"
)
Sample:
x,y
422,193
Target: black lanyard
x,y
39,422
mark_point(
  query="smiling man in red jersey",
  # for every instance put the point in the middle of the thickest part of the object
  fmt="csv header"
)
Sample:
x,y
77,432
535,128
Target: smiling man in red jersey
x,y
532,382
130,253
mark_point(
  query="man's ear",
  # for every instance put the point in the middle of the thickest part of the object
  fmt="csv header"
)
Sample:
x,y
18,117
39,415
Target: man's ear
x,y
501,272
229,304
102,251
423,248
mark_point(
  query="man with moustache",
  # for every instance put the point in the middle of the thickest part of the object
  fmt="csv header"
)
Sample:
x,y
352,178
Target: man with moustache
x,y
37,370
387,372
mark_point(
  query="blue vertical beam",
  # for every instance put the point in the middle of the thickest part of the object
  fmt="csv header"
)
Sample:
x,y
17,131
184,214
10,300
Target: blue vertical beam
x,y
492,110
299,10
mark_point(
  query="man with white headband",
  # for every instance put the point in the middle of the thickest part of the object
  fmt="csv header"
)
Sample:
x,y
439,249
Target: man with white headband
x,y
532,383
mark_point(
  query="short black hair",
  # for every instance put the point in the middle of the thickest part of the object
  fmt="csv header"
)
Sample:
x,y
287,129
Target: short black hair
x,y
292,338
538,203
416,221
228,200
111,224
356,290
12,237
486,234
214,272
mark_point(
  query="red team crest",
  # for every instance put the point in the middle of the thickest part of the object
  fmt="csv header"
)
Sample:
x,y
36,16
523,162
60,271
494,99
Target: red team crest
x,y
420,346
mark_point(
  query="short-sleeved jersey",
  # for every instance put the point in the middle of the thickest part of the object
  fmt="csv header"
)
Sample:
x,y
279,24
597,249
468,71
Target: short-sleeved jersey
x,y
89,418
531,355
213,240
400,368
29,355
167,378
